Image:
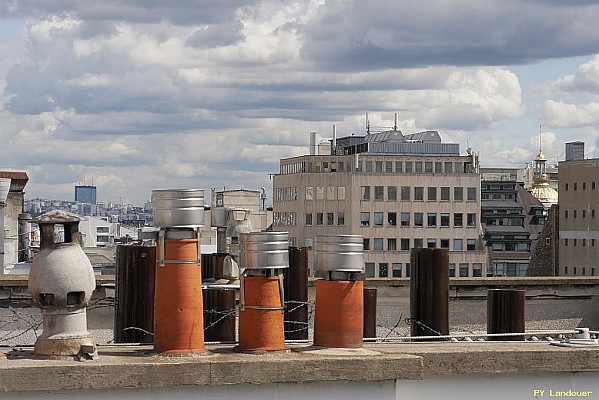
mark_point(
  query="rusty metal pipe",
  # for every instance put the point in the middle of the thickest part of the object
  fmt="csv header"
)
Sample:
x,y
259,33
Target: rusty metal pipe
x,y
505,313
296,294
370,312
429,292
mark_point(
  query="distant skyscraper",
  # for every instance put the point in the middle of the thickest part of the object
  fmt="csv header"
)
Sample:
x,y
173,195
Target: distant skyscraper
x,y
574,151
85,194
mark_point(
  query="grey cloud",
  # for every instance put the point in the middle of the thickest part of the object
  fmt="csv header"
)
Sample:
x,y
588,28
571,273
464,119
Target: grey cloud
x,y
387,34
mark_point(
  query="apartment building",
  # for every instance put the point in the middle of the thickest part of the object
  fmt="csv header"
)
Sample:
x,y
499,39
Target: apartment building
x,y
398,192
578,220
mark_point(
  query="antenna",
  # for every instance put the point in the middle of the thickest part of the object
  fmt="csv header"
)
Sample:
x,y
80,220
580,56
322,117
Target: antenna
x,y
395,126
540,138
367,125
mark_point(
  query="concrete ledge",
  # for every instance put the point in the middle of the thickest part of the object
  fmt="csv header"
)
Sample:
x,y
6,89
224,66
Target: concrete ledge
x,y
137,367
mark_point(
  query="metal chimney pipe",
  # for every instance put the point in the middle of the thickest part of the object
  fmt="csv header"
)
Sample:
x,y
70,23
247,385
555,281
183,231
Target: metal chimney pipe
x,y
339,313
505,313
370,312
296,294
429,292
24,232
4,189
178,301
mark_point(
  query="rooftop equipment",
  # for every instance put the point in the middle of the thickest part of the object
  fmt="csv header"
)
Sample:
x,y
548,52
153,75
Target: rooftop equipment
x,y
339,313
61,283
4,188
262,257
178,302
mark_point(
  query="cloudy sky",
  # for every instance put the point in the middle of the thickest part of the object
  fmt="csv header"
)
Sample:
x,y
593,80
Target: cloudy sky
x,y
148,94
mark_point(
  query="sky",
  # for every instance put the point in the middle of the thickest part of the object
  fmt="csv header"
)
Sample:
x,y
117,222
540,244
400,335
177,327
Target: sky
x,y
147,94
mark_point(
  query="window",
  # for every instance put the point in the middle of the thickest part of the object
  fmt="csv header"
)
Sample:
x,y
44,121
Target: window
x,y
309,193
418,243
319,193
471,244
407,270
428,167
366,243
445,243
383,270
398,167
319,218
458,193
330,218
378,219
431,243
457,219
445,193
593,187
388,166
477,270
418,219
445,220
378,166
431,219
378,192
331,192
584,187
404,244
392,218
451,270
566,187
448,167
432,193
575,212
391,244
565,242
438,167
459,167
341,193
365,192
405,219
341,218
102,229
584,213
308,219
408,166
575,185
593,213
102,239
405,193
418,193
463,270
378,243
396,270
392,193
418,166
369,269
365,219
471,219
368,166
471,194
566,214
458,245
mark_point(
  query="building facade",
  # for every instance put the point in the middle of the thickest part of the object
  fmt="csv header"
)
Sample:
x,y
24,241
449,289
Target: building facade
x,y
397,192
85,194
578,219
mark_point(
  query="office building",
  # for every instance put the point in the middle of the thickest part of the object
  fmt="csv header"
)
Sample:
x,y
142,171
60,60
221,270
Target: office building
x,y
574,151
85,194
578,220
398,192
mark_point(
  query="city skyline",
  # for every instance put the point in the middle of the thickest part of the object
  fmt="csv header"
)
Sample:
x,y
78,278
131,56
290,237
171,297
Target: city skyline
x,y
143,96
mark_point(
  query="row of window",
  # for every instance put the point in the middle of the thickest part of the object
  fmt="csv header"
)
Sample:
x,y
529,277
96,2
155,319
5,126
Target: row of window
x,y
498,196
285,194
432,219
584,186
404,244
583,242
417,193
399,270
284,218
408,167
330,218
319,192
583,271
583,213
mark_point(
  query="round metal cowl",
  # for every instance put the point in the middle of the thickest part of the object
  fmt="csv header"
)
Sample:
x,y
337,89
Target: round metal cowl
x,y
264,250
178,208
339,253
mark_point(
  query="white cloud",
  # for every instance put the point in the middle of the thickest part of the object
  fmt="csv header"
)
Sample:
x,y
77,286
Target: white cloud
x,y
560,114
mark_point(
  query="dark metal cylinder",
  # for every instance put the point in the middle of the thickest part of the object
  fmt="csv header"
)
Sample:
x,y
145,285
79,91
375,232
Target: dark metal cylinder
x,y
24,233
505,313
219,315
369,312
429,292
134,294
295,281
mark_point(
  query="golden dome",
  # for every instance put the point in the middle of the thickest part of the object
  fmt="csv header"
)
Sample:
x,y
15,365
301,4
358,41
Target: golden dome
x,y
546,194
540,156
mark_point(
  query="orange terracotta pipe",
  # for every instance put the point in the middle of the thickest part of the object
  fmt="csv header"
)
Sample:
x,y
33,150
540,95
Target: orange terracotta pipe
x,y
261,329
178,304
339,314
